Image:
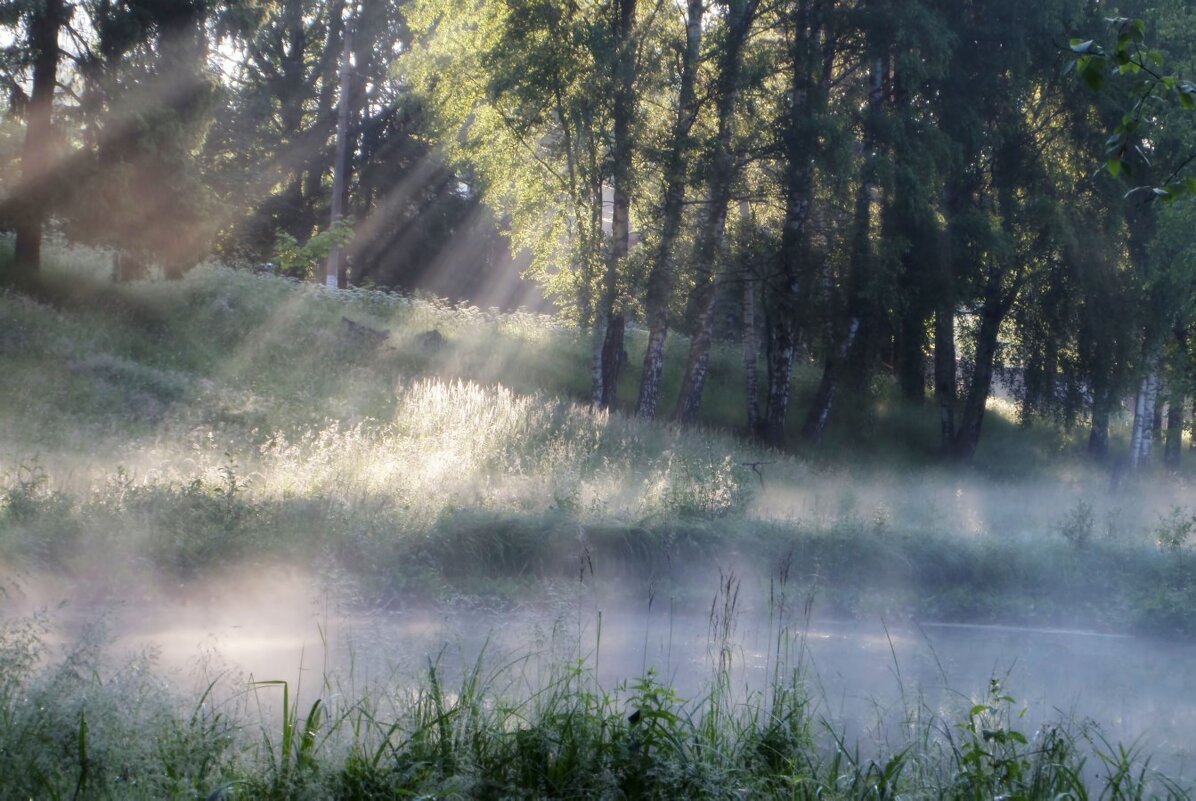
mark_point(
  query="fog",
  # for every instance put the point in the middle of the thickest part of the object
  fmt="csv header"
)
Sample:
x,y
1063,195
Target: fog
x,y
871,682
344,530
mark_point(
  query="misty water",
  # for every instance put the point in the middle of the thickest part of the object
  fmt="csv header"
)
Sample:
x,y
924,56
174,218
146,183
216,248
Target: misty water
x,y
868,680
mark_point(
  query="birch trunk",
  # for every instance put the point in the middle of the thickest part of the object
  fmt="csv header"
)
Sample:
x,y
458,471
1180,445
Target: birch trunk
x,y
605,375
945,373
751,342
799,141
335,274
660,279
708,250
1141,440
819,415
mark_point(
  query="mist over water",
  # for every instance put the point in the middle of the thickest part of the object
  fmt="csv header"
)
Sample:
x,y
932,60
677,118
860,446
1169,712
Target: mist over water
x,y
871,683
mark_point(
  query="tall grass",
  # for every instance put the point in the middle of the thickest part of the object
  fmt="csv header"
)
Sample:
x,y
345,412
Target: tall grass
x,y
77,726
229,416
168,433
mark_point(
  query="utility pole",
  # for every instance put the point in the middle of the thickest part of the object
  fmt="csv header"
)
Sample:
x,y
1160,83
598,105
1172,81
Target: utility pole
x,y
335,274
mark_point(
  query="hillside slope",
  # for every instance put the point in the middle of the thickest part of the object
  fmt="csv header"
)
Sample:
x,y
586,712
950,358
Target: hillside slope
x,y
232,417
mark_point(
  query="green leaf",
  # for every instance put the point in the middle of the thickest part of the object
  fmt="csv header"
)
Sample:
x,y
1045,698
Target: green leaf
x,y
1113,167
1175,191
1095,78
1081,46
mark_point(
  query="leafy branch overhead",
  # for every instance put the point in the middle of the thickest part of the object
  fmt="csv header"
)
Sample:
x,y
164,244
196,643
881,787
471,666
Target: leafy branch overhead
x,y
1155,91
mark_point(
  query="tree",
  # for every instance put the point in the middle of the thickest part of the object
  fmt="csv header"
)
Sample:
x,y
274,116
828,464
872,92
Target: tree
x,y
661,278
810,54
43,21
738,18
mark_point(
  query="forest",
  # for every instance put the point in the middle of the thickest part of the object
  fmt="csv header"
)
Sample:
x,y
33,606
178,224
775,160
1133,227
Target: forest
x,y
597,399
926,194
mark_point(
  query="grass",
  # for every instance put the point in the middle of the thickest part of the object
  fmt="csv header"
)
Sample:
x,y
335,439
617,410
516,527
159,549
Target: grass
x,y
164,434
231,416
74,726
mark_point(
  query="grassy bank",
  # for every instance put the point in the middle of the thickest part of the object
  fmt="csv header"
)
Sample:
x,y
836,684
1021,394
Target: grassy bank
x,y
158,436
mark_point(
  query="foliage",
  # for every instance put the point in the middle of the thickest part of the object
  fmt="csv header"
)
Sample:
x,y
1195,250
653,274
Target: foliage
x,y
1077,524
1174,529
1151,86
302,261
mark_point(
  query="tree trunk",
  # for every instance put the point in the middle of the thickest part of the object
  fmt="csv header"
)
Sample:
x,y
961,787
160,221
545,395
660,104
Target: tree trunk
x,y
1175,433
782,347
694,380
967,438
945,373
45,21
660,279
335,274
911,367
604,376
1192,440
1156,419
1098,436
819,415
857,363
709,246
1141,440
799,141
613,357
751,342
317,165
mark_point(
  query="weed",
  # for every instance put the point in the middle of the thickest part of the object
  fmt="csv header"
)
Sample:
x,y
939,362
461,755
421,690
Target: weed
x,y
1173,530
38,522
1077,524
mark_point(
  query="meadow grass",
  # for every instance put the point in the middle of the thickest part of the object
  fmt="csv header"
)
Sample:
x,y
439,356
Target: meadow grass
x,y
167,432
191,425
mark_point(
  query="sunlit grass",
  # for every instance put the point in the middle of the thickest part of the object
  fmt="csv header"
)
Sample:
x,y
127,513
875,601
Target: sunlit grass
x,y
229,415
158,436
